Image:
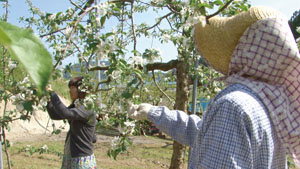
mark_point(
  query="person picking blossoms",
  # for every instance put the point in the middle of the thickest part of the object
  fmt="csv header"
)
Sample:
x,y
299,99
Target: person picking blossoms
x,y
79,148
255,121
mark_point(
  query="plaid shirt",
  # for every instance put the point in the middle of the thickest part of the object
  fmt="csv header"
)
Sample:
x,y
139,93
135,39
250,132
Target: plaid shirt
x,y
235,132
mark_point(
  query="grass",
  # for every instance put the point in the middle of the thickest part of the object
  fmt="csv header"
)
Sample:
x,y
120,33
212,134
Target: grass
x,y
145,153
148,153
23,160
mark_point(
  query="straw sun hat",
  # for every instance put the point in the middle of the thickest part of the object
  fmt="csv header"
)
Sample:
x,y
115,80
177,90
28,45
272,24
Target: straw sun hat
x,y
217,40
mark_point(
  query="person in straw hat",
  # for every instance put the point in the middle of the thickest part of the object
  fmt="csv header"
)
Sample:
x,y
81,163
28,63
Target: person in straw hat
x,y
255,121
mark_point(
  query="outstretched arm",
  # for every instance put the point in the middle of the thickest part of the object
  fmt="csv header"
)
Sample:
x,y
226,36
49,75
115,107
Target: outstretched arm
x,y
179,125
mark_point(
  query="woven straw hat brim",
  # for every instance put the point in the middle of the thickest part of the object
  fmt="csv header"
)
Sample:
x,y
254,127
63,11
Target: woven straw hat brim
x,y
217,40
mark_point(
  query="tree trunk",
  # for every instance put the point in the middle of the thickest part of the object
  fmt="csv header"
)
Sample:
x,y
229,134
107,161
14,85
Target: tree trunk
x,y
181,103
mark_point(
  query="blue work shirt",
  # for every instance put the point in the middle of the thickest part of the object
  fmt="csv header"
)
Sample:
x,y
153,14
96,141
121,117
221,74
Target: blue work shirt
x,y
235,132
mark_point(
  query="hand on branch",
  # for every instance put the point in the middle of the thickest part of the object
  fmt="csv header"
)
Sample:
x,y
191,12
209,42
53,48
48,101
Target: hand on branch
x,y
139,112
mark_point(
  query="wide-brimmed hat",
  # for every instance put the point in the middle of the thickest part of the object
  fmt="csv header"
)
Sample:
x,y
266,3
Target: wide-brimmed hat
x,y
217,40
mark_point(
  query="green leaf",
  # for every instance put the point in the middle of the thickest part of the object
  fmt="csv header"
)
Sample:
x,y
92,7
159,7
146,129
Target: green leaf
x,y
126,95
102,20
28,105
219,2
29,50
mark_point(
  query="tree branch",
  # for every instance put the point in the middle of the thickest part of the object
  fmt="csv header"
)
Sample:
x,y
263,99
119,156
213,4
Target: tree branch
x,y
172,9
153,76
98,68
76,5
172,26
50,33
109,78
162,66
220,10
71,34
133,27
157,23
108,89
88,4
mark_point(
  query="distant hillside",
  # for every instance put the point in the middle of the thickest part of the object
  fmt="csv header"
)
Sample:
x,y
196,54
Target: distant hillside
x,y
40,123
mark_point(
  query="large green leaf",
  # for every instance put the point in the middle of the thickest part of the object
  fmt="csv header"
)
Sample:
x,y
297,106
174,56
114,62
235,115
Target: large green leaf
x,y
29,50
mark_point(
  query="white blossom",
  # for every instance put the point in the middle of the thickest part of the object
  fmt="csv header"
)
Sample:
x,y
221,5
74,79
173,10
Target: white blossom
x,y
166,37
44,101
157,1
88,100
202,20
218,89
47,36
58,47
183,11
70,11
28,147
103,48
88,29
20,96
116,74
105,117
186,41
13,97
160,100
156,54
68,30
25,80
45,147
35,108
121,130
136,96
194,19
12,64
20,107
102,64
102,8
115,141
113,47
129,124
138,60
98,20
77,103
52,17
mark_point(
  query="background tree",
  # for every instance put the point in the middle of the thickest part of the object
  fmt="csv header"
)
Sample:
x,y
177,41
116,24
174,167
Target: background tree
x,y
295,23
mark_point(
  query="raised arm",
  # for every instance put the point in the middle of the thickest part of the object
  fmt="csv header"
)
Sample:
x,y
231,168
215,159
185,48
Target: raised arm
x,y
57,110
54,115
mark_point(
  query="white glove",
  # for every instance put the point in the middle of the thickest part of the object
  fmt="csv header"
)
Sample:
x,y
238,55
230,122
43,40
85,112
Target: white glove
x,y
139,112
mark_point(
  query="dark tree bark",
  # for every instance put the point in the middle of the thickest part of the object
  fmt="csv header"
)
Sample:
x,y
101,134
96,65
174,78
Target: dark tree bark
x,y
181,103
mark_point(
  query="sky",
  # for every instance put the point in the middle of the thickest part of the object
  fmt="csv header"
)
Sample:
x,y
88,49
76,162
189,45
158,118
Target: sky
x,y
19,8
287,7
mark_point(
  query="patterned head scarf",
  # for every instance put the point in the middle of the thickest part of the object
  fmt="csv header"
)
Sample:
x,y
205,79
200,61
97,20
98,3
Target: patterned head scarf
x,y
267,60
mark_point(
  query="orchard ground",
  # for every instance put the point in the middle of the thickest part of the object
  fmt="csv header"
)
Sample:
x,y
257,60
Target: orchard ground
x,y
145,152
